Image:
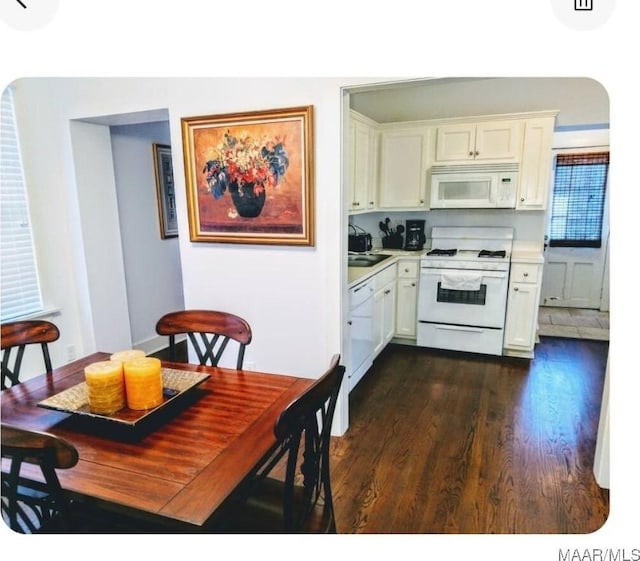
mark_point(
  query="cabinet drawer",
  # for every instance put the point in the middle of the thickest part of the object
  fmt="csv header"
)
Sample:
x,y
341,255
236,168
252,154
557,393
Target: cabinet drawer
x,y
460,338
525,272
384,277
408,269
359,294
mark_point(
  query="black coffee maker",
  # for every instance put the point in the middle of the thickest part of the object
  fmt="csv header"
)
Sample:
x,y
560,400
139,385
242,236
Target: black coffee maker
x,y
414,235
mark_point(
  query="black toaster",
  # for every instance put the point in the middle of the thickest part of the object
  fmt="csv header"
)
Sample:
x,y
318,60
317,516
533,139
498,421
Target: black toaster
x,y
359,240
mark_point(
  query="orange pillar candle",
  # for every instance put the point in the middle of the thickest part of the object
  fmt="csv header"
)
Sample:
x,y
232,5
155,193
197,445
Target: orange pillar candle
x,y
143,381
124,356
105,386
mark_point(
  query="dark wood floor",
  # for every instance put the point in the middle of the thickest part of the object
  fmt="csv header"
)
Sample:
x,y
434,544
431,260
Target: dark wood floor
x,y
182,354
441,442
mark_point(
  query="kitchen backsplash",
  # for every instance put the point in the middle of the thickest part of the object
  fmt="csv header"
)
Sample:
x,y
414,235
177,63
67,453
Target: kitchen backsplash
x,y
527,225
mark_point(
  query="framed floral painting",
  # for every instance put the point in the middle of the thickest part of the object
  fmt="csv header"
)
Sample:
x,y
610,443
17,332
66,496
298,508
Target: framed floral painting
x,y
250,177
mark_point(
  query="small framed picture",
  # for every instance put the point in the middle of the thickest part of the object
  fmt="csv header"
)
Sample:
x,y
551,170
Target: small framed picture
x,y
165,191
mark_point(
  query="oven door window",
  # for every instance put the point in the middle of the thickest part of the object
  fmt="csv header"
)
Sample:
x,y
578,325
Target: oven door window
x,y
472,297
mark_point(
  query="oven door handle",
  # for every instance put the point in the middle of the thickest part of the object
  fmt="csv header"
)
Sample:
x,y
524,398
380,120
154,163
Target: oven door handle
x,y
459,328
487,274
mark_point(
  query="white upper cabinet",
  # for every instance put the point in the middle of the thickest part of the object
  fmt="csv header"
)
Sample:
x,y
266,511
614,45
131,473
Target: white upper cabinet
x,y
535,168
496,141
362,161
403,167
389,163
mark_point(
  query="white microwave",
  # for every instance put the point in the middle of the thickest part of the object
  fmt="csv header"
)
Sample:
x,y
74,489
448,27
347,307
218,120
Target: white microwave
x,y
474,186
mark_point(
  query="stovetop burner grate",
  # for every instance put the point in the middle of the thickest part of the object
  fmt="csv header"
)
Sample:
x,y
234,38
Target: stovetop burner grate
x,y
487,253
448,252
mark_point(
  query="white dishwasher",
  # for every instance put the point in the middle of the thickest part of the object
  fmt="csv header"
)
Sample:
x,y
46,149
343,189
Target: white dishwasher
x,y
361,337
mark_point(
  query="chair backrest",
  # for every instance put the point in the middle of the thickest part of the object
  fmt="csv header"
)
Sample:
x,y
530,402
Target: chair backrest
x,y
209,332
306,422
17,335
28,505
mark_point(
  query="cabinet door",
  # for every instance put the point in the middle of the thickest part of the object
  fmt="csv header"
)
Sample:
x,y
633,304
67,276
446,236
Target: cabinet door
x,y
406,308
389,315
378,322
351,185
455,143
402,169
384,310
535,170
361,166
522,316
499,141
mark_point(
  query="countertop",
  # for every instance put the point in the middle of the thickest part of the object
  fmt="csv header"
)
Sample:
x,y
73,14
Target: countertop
x,y
359,274
522,252
527,252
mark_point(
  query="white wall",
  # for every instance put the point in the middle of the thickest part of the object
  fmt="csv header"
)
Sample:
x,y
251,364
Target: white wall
x,y
292,297
601,462
152,269
107,314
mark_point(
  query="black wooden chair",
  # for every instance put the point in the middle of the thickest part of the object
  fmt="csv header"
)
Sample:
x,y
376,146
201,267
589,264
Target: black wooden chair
x,y
38,505
209,332
17,335
302,501
34,506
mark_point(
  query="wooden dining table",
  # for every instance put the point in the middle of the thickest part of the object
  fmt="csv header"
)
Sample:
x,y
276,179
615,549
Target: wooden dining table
x,y
180,468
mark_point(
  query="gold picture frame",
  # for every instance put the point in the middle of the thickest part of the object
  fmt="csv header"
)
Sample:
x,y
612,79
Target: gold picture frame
x,y
165,191
250,177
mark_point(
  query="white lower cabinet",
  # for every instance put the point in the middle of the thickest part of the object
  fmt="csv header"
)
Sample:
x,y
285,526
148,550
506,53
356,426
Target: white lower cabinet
x,y
384,308
522,309
407,298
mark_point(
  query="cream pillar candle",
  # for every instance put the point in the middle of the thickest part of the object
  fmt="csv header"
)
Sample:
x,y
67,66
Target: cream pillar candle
x,y
143,382
124,356
105,386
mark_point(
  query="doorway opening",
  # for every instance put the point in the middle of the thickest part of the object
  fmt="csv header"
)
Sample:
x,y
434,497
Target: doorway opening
x,y
123,249
574,300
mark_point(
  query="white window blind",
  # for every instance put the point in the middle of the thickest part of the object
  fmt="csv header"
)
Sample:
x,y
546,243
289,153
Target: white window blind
x,y
20,290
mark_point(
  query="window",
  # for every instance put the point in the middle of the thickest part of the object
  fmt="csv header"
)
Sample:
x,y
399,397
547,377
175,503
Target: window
x,y
20,290
577,208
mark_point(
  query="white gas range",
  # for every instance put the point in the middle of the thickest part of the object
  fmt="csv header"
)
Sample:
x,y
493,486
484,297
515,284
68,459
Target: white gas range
x,y
464,279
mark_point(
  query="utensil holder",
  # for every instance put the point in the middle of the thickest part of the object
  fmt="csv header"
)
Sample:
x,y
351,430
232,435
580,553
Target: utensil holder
x,y
394,241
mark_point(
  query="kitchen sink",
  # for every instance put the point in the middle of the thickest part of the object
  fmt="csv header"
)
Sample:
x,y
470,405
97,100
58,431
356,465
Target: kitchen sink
x,y
366,260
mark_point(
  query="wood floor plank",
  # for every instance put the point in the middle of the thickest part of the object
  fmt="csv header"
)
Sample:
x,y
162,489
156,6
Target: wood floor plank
x,y
444,442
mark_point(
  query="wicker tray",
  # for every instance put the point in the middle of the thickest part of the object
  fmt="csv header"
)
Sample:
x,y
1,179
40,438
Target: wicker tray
x,y
175,383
